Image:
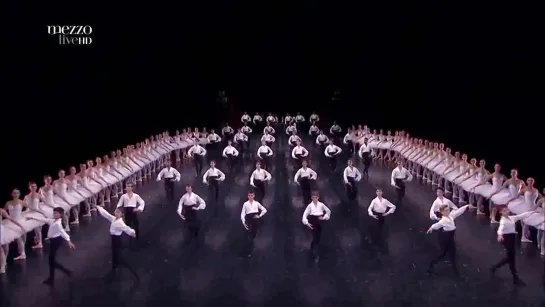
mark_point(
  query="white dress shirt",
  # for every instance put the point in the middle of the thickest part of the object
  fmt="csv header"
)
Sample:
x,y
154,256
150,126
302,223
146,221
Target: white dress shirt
x,y
246,129
214,172
332,150
290,129
402,173
508,224
260,174
267,138
364,148
169,173
305,172
241,137
264,149
299,118
381,205
213,138
352,172
436,206
316,209
271,118
134,201
447,222
191,199
269,130
230,150
117,225
293,139
313,129
334,129
227,129
257,118
313,117
251,207
299,150
55,228
196,150
322,138
245,118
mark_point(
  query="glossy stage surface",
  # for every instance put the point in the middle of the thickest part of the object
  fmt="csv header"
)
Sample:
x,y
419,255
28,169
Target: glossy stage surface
x,y
358,266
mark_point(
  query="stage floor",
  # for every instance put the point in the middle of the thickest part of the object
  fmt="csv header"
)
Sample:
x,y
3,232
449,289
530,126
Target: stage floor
x,y
358,265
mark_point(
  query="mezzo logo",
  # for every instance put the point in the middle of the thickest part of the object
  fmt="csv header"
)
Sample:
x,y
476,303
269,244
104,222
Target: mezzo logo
x,y
72,35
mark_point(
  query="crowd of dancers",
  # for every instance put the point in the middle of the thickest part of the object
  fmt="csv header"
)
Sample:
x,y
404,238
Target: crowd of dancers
x,y
60,203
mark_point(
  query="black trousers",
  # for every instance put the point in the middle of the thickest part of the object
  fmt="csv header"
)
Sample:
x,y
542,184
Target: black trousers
x,y
380,217
117,256
447,245
251,233
54,245
231,161
313,136
131,218
169,188
509,244
297,163
400,192
350,146
332,162
242,145
213,187
259,190
264,160
305,185
351,189
316,231
198,163
192,224
366,161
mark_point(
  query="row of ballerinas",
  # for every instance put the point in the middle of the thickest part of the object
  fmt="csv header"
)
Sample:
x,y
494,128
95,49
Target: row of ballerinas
x,y
94,183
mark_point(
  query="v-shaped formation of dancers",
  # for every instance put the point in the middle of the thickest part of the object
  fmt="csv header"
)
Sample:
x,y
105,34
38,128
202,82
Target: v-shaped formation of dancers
x,y
52,203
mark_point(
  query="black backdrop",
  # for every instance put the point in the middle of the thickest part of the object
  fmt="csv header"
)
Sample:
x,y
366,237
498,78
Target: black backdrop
x,y
471,77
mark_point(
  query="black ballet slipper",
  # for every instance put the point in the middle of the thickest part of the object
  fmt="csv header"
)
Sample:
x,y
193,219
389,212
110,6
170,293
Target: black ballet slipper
x,y
518,282
49,282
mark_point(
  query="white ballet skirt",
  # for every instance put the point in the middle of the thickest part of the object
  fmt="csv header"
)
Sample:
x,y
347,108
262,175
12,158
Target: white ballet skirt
x,y
519,205
107,174
9,232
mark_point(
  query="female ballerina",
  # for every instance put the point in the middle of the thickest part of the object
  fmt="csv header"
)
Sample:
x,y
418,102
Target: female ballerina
x,y
4,244
315,213
34,201
117,228
447,232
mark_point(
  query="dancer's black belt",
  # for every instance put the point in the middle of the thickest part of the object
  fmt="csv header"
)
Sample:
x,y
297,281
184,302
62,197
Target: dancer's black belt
x,y
213,177
170,179
314,219
298,156
293,143
332,153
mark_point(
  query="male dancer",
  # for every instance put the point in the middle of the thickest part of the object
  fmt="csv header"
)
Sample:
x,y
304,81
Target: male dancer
x,y
302,178
400,176
364,153
252,210
56,235
170,175
231,153
197,152
132,204
331,152
117,228
212,177
314,214
189,205
351,175
380,207
258,178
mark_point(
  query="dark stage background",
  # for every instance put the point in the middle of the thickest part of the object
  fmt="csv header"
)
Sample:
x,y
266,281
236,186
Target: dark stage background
x,y
470,77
